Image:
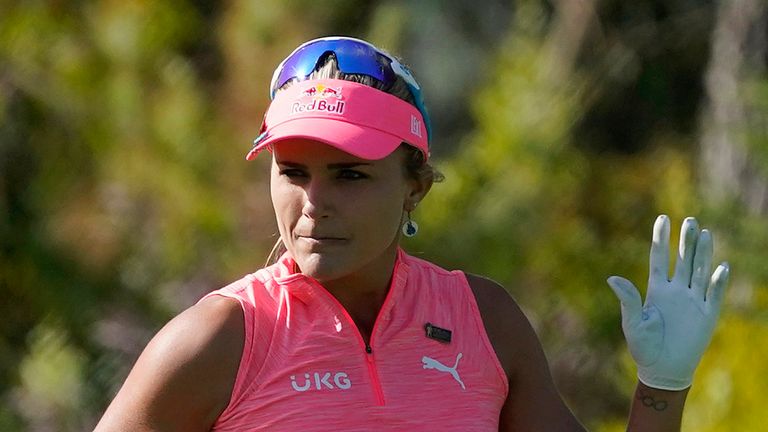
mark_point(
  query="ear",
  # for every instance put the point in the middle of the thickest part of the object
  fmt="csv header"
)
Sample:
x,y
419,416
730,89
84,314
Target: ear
x,y
417,190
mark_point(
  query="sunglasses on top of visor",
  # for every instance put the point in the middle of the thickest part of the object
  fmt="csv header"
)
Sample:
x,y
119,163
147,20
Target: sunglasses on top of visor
x,y
353,56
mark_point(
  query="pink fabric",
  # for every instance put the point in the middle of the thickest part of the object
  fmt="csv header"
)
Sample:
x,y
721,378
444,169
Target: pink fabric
x,y
305,366
353,117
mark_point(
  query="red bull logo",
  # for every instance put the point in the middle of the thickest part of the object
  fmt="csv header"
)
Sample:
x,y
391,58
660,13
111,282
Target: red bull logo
x,y
320,95
322,91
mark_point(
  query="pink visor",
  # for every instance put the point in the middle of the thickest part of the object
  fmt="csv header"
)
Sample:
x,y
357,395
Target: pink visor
x,y
355,118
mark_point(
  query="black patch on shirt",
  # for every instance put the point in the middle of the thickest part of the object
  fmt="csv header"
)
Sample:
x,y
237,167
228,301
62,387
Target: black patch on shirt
x,y
437,333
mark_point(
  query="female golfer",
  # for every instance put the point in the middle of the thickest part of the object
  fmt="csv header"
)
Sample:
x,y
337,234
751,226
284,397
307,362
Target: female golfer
x,y
345,331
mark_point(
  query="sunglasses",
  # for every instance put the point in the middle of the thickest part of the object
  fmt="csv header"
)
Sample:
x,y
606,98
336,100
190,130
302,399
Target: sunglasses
x,y
353,56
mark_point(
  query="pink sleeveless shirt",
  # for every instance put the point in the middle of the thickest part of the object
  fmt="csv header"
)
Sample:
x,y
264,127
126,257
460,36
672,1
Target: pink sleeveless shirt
x,y
306,367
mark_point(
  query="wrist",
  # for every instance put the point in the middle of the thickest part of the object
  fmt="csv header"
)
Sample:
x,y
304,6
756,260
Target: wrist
x,y
656,410
641,386
659,400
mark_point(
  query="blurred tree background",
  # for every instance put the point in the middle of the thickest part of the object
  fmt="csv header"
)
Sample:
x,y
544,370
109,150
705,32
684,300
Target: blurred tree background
x,y
563,128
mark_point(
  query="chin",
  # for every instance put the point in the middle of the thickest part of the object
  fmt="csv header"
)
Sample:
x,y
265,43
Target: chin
x,y
322,267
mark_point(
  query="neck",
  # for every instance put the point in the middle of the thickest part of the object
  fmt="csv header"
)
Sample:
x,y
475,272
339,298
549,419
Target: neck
x,y
362,294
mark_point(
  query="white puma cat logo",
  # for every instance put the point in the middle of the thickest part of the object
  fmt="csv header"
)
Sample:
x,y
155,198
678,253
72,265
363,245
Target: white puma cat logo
x,y
430,363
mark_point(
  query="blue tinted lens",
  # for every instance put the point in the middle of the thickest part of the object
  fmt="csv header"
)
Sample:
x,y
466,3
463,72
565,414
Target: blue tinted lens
x,y
351,56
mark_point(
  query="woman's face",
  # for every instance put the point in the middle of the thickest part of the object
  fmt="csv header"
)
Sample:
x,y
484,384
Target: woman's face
x,y
338,213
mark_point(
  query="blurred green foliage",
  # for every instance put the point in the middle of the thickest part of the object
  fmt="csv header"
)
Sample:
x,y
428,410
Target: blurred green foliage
x,y
563,129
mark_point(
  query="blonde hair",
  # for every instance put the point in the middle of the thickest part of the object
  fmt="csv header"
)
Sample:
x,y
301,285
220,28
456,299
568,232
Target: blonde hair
x,y
415,166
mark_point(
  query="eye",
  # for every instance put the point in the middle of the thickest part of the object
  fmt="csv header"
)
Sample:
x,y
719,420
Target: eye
x,y
292,173
350,174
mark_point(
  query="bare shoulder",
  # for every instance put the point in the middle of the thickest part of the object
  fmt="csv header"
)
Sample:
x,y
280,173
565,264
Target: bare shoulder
x,y
533,402
188,367
505,323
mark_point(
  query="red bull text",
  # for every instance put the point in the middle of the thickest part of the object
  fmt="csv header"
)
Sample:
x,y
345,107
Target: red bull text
x,y
318,105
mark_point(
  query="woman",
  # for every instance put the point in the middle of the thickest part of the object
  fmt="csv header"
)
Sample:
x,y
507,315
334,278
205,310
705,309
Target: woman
x,y
345,331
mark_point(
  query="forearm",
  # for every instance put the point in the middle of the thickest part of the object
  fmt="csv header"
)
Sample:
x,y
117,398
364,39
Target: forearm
x,y
656,410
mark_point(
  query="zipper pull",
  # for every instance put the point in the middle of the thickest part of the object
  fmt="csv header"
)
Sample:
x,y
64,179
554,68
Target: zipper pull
x,y
368,349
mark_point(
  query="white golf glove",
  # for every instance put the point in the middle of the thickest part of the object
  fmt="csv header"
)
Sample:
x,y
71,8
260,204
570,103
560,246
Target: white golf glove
x,y
669,333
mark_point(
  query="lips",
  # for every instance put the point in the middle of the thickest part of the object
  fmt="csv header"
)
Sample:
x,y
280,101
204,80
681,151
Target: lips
x,y
315,243
320,238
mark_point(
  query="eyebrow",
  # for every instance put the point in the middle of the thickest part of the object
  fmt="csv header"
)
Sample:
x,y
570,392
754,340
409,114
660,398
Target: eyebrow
x,y
338,165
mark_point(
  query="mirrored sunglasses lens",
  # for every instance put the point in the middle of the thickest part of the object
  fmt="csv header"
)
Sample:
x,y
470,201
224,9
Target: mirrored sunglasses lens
x,y
300,64
351,57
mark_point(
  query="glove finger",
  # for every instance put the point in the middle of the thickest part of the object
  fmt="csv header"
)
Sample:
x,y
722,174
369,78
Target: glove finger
x,y
702,263
659,262
689,234
628,295
717,288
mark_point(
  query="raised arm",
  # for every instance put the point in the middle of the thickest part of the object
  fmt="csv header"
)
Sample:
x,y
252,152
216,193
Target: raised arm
x,y
668,333
184,378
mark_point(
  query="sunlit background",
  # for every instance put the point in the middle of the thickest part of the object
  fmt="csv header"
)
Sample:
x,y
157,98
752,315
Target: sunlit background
x,y
562,127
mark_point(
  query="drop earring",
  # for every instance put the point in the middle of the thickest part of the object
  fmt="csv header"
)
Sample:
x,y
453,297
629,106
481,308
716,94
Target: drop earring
x,y
410,228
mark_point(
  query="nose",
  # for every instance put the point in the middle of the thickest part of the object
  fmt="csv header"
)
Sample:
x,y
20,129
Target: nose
x,y
317,199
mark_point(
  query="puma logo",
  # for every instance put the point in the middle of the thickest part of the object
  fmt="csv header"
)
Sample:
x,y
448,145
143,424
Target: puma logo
x,y
430,363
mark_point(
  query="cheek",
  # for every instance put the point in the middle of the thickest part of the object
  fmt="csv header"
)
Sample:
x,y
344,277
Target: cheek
x,y
287,208
381,215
